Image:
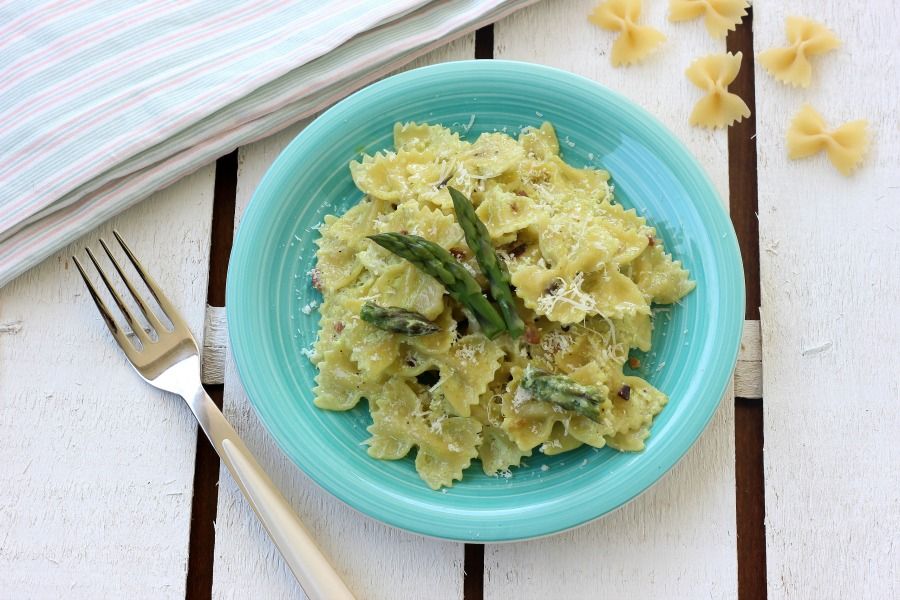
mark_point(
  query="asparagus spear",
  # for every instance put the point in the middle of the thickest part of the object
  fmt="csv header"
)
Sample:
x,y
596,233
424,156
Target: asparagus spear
x,y
440,264
396,319
559,389
479,241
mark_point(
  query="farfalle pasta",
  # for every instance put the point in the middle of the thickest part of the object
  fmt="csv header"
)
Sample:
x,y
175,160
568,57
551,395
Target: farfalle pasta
x,y
713,73
845,146
719,16
806,38
635,42
584,271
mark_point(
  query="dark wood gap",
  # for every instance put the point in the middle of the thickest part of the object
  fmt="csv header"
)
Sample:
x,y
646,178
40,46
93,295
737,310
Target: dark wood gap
x,y
473,564
473,572
206,466
748,414
750,498
742,166
484,42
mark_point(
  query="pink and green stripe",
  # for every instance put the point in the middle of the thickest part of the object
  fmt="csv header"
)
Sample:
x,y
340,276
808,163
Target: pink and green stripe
x,y
100,108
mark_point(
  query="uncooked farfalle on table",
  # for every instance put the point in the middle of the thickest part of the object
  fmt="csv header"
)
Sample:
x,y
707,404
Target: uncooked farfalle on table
x,y
713,73
791,64
635,42
719,16
845,146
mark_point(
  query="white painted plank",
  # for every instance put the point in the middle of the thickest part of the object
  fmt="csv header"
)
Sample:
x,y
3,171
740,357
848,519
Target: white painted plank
x,y
830,293
678,540
97,471
215,346
375,560
748,371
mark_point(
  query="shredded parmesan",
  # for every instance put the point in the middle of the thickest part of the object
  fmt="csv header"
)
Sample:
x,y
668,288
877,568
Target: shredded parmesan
x,y
556,341
522,396
549,445
467,353
437,426
569,292
311,306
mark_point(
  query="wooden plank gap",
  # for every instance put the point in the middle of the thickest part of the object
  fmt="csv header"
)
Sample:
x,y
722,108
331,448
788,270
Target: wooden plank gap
x,y
206,466
484,42
748,423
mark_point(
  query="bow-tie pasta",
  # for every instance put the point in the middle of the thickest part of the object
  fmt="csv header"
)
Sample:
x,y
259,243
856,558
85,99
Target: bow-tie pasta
x,y
635,42
720,16
585,271
807,38
713,73
844,146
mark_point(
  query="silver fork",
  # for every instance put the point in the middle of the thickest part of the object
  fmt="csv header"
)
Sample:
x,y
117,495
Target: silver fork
x,y
172,363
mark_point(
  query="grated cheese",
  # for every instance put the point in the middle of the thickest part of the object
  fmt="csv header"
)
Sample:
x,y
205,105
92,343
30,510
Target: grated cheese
x,y
556,341
467,354
437,426
522,396
568,293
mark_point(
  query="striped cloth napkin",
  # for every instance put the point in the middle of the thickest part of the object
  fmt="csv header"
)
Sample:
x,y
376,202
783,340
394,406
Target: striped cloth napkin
x,y
102,103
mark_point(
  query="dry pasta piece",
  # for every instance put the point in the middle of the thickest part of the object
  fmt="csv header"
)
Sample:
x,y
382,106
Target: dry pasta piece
x,y
713,73
635,42
845,146
720,16
807,38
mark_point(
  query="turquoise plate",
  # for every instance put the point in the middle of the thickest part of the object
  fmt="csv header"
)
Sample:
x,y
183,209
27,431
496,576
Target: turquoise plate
x,y
695,344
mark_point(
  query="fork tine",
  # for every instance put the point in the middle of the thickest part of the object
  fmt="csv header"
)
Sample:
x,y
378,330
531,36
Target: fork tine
x,y
129,316
142,304
168,309
114,328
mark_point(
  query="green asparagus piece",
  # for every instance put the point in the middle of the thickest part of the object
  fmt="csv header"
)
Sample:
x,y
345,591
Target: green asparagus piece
x,y
479,241
559,389
396,319
440,264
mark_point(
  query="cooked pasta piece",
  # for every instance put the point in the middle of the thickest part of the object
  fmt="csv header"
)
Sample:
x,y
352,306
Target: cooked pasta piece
x,y
713,73
584,271
635,42
720,16
402,420
791,64
845,146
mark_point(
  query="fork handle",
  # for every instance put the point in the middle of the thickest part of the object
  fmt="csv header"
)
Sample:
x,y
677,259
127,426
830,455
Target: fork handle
x,y
315,574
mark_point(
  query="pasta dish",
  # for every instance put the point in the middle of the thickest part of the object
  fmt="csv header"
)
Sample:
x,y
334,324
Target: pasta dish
x,y
483,297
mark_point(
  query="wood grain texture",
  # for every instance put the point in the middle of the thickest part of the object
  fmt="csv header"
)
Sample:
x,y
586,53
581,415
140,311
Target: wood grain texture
x,y
95,485
678,539
830,293
375,560
748,371
215,346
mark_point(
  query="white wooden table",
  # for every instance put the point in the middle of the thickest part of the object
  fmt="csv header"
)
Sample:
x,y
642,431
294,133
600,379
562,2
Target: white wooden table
x,y
97,477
